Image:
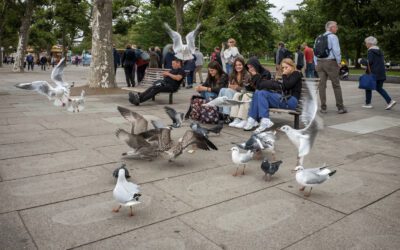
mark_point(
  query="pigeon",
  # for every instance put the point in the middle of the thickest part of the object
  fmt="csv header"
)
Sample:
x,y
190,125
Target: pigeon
x,y
311,177
189,138
126,193
241,158
177,117
205,131
224,101
139,123
59,93
260,142
76,104
304,138
183,51
269,168
123,166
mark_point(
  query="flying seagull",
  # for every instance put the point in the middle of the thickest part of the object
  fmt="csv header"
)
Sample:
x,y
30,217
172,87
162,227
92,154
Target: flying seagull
x,y
224,101
311,177
77,103
139,123
183,51
304,138
59,93
241,158
125,193
176,117
270,168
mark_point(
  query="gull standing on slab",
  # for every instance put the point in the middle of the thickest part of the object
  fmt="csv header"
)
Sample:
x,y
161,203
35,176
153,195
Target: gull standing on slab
x,y
311,177
59,93
183,51
125,193
224,101
304,138
241,159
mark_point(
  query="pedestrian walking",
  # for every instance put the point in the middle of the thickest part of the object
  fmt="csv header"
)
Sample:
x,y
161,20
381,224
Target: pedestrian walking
x,y
199,65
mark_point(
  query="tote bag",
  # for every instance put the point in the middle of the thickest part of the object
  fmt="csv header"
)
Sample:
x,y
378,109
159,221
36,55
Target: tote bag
x,y
367,81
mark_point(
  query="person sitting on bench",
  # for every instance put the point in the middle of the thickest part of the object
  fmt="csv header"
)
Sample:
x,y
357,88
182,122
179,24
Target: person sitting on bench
x,y
170,83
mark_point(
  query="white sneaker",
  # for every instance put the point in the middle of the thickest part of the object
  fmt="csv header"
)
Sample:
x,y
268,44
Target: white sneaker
x,y
250,124
367,106
235,122
241,124
265,123
391,104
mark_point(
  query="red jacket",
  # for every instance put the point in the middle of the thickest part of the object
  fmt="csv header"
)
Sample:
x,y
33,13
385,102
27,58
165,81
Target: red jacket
x,y
309,54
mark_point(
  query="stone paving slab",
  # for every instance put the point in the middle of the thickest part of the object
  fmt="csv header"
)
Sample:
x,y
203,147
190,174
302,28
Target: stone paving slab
x,y
390,132
368,125
33,148
13,234
30,136
51,163
45,189
387,208
170,234
20,128
90,219
360,230
347,191
94,141
268,219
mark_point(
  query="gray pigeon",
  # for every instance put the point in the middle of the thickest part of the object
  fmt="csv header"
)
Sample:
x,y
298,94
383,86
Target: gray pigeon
x,y
176,117
270,168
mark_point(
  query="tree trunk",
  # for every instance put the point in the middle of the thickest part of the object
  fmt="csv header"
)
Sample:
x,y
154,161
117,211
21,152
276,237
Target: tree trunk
x,y
179,15
102,64
200,15
23,37
2,22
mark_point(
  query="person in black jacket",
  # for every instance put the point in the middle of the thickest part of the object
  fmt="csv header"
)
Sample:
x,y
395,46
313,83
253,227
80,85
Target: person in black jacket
x,y
216,79
117,59
377,64
128,62
282,94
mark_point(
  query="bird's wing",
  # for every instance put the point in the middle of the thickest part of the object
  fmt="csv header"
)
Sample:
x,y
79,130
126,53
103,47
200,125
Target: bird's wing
x,y
176,38
139,123
150,135
171,113
190,137
164,140
309,114
217,128
58,72
304,145
158,124
312,177
124,191
190,38
42,87
133,141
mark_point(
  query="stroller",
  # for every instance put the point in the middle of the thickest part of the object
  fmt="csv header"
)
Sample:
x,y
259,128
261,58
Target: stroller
x,y
344,72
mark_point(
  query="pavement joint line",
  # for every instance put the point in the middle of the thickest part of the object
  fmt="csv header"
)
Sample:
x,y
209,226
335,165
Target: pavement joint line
x,y
381,153
27,230
24,156
11,143
63,171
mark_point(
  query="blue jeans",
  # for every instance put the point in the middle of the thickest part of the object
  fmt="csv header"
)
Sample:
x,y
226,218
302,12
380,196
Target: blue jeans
x,y
228,68
310,68
208,95
228,92
380,90
263,100
189,78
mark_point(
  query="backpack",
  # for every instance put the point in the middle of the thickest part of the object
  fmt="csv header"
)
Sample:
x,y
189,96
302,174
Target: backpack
x,y
200,113
145,56
321,48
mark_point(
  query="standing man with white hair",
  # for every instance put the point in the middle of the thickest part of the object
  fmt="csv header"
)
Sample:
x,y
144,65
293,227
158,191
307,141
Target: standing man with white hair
x,y
377,67
327,60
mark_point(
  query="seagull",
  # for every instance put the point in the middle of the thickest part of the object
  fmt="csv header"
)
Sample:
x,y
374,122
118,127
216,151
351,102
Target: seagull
x,y
269,168
311,177
304,138
205,131
177,117
183,51
126,193
142,149
224,101
139,123
190,137
123,166
76,104
59,93
241,158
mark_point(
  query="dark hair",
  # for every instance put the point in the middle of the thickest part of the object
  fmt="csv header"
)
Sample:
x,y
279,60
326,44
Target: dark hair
x,y
177,60
214,81
128,46
233,76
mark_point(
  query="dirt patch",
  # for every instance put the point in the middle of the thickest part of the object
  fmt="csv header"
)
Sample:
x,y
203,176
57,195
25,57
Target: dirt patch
x,y
76,91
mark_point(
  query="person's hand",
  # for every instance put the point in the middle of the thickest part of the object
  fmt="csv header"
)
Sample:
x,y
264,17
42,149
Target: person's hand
x,y
200,88
252,71
165,73
233,86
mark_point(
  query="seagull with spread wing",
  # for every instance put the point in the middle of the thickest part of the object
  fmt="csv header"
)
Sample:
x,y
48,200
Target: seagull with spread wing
x,y
304,138
76,103
59,93
139,123
224,101
183,51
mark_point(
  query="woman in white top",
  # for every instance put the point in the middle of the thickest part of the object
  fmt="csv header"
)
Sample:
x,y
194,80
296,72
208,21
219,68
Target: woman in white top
x,y
230,54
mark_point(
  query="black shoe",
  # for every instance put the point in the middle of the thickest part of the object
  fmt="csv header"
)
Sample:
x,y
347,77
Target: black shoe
x,y
342,111
134,98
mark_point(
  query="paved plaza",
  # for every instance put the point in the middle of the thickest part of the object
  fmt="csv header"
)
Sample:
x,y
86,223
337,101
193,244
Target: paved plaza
x,y
56,179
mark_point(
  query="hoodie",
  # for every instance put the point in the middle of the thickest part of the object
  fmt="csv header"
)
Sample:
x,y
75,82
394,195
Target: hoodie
x,y
376,62
262,74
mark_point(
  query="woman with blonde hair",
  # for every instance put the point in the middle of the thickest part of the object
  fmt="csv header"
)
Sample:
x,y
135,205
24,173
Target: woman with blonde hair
x,y
230,54
283,94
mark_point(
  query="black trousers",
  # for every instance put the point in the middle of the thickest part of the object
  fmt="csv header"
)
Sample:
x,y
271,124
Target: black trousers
x,y
154,90
141,71
130,75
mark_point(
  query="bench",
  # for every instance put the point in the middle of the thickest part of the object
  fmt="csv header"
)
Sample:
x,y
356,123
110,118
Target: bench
x,y
299,108
151,75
